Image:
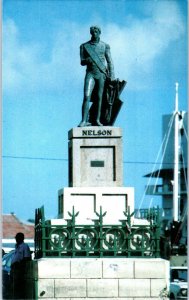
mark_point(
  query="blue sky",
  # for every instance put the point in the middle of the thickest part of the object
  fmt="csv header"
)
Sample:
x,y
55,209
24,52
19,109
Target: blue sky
x,y
43,88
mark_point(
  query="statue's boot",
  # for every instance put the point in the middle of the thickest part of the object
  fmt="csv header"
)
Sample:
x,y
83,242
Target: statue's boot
x,y
98,123
84,124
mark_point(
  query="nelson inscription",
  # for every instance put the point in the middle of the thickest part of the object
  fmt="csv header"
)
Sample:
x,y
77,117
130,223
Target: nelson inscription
x,y
96,132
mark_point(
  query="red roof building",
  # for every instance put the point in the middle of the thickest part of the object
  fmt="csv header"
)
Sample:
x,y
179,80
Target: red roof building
x,y
12,225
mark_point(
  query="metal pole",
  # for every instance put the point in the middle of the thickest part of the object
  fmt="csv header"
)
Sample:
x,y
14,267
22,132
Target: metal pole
x,y
176,161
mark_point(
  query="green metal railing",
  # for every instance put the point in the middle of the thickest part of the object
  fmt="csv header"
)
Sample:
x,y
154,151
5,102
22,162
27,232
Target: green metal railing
x,y
98,239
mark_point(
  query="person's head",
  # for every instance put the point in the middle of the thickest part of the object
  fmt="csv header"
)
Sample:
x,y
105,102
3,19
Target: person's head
x,y
95,31
19,237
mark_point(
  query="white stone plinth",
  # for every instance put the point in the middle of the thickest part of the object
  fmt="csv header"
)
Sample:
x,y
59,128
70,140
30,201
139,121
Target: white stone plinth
x,y
87,200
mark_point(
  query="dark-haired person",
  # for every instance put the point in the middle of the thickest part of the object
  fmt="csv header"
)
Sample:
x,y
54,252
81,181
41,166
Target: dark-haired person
x,y
21,255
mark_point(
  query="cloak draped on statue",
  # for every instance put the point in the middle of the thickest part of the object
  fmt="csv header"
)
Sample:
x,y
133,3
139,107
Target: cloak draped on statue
x,y
111,104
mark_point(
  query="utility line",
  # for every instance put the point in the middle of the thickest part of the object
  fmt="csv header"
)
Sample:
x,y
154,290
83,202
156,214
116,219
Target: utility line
x,y
65,159
34,158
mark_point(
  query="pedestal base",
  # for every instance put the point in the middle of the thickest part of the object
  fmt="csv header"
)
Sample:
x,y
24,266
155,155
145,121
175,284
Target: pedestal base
x,y
98,278
87,200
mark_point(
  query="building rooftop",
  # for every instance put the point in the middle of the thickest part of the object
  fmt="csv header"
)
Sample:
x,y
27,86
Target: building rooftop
x,y
11,225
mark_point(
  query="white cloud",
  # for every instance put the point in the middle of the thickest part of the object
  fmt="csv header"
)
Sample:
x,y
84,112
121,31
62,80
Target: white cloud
x,y
135,49
142,43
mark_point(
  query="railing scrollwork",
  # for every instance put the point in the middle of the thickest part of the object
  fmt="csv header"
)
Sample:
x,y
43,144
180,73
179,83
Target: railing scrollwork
x,y
97,239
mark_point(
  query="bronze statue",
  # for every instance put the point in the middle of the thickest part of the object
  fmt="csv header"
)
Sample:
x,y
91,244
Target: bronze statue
x,y
100,87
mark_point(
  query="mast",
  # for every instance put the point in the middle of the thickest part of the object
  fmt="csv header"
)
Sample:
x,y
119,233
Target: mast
x,y
176,160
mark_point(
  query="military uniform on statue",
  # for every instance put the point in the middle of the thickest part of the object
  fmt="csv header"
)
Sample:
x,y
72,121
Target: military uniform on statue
x,y
99,81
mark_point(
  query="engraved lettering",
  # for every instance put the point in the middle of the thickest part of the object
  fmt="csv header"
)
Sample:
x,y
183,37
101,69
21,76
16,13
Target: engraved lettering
x,y
96,133
84,132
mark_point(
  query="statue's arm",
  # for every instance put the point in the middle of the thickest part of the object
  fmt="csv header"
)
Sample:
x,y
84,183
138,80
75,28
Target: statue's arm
x,y
110,65
85,60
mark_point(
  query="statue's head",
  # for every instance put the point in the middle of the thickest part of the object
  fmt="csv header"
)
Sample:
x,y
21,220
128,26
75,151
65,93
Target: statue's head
x,y
95,28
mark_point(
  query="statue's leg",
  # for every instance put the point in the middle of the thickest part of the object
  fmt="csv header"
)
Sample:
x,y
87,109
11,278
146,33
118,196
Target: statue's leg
x,y
88,88
101,82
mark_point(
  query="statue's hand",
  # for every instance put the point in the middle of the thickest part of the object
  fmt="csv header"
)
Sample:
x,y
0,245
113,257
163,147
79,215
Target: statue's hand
x,y
86,61
110,78
89,61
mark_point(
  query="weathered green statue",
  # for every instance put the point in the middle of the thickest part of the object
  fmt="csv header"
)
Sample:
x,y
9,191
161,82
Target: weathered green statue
x,y
99,86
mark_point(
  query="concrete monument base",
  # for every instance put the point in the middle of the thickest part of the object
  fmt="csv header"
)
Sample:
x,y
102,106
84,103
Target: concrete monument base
x,y
102,279
95,181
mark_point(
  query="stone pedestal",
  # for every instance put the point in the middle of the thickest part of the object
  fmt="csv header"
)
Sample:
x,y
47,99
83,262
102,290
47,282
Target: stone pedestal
x,y
95,176
95,182
95,157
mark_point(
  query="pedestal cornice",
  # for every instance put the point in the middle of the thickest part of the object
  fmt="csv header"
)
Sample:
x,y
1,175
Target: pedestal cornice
x,y
95,132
